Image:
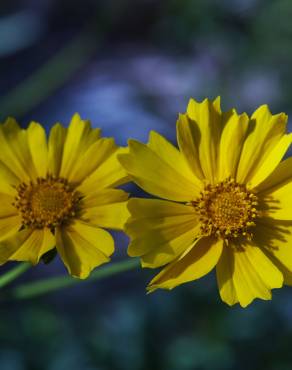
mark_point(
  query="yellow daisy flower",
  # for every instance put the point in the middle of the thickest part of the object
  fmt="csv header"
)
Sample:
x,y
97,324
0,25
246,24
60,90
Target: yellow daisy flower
x,y
228,202
59,193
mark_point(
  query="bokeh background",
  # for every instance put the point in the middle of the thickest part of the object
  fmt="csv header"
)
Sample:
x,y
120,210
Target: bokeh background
x,y
131,66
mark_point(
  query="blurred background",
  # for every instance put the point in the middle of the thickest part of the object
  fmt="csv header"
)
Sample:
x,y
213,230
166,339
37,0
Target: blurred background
x,y
131,66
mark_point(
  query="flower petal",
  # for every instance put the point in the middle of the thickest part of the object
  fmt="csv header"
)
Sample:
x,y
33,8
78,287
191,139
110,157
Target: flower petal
x,y
278,204
75,144
12,243
7,209
232,139
9,225
37,142
154,175
277,197
224,272
160,224
276,239
104,196
112,216
8,180
188,138
15,152
172,156
83,247
279,177
253,274
272,160
109,174
165,251
55,148
93,157
38,243
199,261
264,134
199,137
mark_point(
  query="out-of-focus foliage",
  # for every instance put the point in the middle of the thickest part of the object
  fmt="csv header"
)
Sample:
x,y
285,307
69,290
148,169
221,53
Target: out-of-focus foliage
x,y
131,66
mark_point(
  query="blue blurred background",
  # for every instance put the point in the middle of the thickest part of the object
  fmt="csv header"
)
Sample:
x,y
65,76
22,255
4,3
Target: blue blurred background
x,y
131,66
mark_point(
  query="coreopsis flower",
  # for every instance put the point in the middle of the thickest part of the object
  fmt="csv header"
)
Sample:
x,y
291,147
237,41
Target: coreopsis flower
x,y
227,202
59,193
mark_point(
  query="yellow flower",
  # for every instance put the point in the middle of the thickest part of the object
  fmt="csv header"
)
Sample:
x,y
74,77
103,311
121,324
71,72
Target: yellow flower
x,y
228,202
59,192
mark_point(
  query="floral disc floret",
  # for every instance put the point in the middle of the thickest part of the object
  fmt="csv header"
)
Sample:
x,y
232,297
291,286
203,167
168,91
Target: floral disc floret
x,y
47,202
227,210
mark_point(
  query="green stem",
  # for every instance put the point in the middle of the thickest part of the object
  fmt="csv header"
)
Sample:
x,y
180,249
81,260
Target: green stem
x,y
12,274
29,290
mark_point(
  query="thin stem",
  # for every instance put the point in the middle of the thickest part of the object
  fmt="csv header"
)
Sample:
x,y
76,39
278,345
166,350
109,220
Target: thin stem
x,y
30,290
12,274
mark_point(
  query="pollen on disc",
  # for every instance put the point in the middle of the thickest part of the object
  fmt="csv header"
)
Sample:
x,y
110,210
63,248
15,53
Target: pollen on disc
x,y
48,202
227,209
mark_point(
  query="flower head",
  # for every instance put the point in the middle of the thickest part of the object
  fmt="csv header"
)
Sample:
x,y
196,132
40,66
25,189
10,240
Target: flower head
x,y
227,202
59,193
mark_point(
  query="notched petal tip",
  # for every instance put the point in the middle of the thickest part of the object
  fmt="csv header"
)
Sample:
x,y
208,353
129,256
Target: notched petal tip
x,y
77,120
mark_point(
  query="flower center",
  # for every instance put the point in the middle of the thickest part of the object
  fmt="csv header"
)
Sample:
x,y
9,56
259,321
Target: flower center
x,y
48,202
227,210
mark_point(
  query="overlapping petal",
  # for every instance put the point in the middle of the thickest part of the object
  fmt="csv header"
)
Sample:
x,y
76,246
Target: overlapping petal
x,y
15,153
71,159
194,264
198,136
264,147
160,230
106,208
155,175
245,273
215,148
83,247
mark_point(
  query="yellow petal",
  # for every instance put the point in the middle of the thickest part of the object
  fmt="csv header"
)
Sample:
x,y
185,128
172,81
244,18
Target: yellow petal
x,y
154,175
93,157
276,239
278,204
35,246
15,151
9,225
92,136
232,139
75,144
8,181
102,197
37,142
272,159
276,198
109,174
83,247
199,261
224,272
264,133
188,138
282,175
165,251
172,156
12,243
111,216
55,148
159,224
97,237
205,128
254,275
7,209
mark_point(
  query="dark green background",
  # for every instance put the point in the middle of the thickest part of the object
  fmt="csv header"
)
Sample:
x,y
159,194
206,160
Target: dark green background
x,y
131,66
